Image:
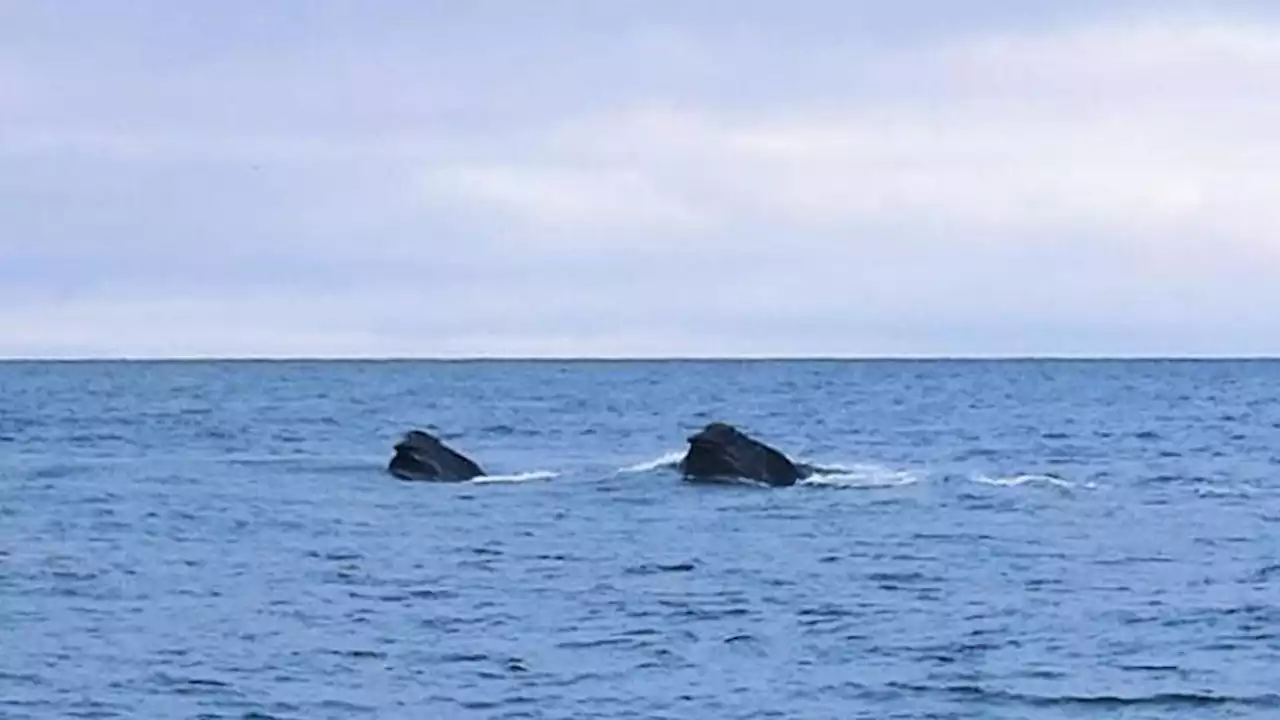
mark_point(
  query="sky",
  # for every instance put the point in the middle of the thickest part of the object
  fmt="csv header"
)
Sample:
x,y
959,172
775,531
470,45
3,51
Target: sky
x,y
408,178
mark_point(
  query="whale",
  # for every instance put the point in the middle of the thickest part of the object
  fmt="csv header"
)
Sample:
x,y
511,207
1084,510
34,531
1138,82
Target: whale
x,y
422,456
721,452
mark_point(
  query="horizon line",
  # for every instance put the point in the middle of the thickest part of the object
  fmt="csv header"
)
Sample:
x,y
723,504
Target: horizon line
x,y
969,357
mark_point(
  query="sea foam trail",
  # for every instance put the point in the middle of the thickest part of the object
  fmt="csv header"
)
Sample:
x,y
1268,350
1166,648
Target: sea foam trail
x,y
860,475
670,460
515,478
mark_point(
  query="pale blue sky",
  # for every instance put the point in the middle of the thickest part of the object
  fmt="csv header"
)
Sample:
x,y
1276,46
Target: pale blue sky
x,y
639,178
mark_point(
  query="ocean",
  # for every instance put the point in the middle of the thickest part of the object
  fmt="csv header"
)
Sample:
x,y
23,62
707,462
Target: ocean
x,y
1003,539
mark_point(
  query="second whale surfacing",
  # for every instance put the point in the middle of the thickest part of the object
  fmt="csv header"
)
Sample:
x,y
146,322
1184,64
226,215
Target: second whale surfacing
x,y
721,452
422,456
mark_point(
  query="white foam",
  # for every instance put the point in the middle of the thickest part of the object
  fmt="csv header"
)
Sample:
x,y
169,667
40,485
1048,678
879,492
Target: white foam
x,y
516,478
669,460
861,475
1018,480
727,480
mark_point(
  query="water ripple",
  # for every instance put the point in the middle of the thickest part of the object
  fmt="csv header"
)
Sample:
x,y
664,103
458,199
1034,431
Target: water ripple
x,y
1047,540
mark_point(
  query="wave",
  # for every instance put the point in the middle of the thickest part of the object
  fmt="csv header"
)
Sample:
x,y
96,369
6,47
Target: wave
x,y
335,463
1171,702
667,461
515,478
1207,489
1025,479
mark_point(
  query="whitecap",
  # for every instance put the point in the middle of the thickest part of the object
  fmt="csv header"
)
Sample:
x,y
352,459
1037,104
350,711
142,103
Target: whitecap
x,y
1025,479
1224,491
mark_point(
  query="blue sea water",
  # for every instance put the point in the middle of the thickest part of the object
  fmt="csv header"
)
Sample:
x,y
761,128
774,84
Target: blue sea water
x,y
1024,539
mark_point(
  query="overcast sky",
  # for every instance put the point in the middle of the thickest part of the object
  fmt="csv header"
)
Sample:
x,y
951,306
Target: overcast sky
x,y
639,178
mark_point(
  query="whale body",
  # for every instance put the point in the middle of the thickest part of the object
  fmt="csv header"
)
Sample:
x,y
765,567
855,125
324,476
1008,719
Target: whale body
x,y
720,451
422,456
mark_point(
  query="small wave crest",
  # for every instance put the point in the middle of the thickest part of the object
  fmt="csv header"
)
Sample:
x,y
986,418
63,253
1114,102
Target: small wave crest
x,y
667,461
1224,491
514,478
1024,479
861,475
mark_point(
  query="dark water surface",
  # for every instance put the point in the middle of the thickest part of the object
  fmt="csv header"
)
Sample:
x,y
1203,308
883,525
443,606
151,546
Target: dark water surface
x,y
1010,540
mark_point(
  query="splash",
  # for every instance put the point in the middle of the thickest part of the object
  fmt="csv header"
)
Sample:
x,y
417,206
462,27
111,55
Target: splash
x,y
516,478
668,461
861,475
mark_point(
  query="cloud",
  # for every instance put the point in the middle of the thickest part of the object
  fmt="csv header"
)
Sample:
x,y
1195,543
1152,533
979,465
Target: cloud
x,y
1096,184
1118,130
561,197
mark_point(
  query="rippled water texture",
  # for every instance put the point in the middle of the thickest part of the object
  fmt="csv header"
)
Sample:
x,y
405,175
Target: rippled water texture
x,y
1005,540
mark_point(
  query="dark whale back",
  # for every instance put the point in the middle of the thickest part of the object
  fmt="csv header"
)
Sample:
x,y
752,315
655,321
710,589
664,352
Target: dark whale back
x,y
422,456
721,451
